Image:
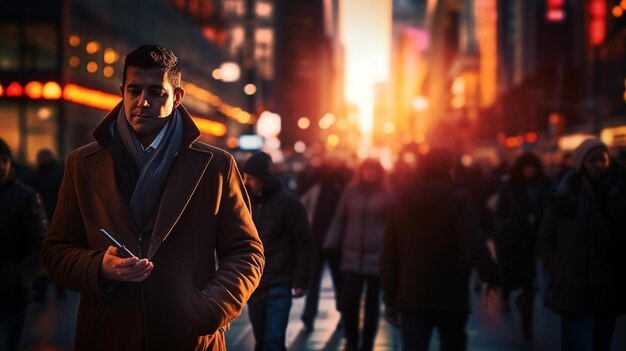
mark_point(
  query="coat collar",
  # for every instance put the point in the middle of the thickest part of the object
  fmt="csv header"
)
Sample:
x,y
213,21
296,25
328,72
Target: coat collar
x,y
103,136
187,170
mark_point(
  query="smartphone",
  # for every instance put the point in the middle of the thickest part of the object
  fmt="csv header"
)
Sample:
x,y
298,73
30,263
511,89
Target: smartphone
x,y
116,243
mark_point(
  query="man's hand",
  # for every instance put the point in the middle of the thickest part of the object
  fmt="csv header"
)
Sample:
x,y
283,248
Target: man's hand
x,y
114,267
297,292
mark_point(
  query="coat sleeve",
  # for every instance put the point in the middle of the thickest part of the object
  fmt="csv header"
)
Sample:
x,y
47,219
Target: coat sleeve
x,y
302,235
239,252
64,254
389,265
472,243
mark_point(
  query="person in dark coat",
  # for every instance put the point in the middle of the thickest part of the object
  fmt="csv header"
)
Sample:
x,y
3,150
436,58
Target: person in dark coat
x,y
46,180
432,240
356,232
519,210
178,204
284,229
22,225
320,200
582,242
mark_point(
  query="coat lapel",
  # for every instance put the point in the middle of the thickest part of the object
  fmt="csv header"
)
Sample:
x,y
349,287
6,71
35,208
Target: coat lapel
x,y
101,173
186,173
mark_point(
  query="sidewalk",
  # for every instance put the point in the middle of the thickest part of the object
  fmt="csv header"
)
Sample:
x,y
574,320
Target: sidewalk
x,y
50,327
324,337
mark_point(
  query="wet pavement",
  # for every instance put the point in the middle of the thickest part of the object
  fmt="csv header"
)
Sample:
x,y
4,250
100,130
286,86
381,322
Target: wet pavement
x,y
50,327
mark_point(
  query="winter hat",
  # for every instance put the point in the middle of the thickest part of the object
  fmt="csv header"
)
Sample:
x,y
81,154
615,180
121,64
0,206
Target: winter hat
x,y
583,149
4,149
259,165
439,159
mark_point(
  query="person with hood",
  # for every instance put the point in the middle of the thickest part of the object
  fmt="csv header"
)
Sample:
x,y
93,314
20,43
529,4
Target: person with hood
x,y
357,232
23,224
582,242
432,240
519,210
284,229
177,204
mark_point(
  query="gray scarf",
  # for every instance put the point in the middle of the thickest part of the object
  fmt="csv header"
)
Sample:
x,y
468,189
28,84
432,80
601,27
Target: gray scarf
x,y
154,167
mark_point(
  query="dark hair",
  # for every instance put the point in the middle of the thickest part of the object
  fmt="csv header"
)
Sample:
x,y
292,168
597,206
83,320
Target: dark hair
x,y
154,56
527,159
4,149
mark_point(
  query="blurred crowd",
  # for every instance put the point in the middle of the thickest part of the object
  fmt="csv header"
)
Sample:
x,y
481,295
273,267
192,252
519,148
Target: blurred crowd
x,y
407,238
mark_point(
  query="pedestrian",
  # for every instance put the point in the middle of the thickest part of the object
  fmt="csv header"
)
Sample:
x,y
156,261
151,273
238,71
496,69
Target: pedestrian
x,y
46,180
284,229
22,225
320,201
582,242
519,210
356,233
177,204
432,240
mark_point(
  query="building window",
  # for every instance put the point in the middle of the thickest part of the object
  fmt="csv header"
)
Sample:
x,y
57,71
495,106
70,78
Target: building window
x,y
10,127
31,47
41,129
10,44
41,47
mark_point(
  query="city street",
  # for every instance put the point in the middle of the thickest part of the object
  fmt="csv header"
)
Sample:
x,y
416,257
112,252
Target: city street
x,y
50,328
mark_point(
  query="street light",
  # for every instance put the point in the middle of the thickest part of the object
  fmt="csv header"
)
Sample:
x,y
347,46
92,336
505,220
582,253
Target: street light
x,y
419,104
229,72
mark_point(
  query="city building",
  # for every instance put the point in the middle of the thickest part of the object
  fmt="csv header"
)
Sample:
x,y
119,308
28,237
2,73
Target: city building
x,y
61,67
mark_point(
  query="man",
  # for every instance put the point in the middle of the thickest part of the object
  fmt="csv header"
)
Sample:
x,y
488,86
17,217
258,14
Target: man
x,y
22,225
177,204
432,240
284,229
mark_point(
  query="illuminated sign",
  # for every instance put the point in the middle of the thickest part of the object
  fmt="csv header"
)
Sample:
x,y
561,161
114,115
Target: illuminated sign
x,y
597,22
91,98
250,142
555,11
14,90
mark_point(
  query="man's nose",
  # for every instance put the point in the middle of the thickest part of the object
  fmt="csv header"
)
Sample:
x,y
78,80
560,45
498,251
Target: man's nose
x,y
143,102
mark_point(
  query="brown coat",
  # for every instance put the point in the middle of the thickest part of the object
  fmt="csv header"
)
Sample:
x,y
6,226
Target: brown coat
x,y
203,218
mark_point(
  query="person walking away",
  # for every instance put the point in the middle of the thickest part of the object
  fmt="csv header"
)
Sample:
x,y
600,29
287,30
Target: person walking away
x,y
582,242
432,240
23,223
357,232
519,210
180,207
284,229
320,201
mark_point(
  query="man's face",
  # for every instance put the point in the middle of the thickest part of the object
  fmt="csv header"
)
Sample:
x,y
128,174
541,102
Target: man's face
x,y
5,169
254,184
149,99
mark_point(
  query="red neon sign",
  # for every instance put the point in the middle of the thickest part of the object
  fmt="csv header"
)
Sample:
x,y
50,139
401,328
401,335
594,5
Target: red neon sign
x,y
15,90
555,11
597,23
